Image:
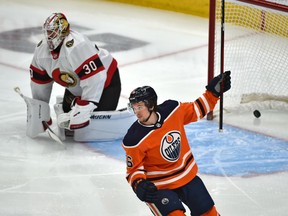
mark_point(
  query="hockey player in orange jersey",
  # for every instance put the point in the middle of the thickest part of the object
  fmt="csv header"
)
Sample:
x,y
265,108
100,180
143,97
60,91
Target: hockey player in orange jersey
x,y
160,165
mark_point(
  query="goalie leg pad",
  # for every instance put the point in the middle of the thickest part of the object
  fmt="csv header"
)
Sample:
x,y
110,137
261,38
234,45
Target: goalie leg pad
x,y
106,126
37,112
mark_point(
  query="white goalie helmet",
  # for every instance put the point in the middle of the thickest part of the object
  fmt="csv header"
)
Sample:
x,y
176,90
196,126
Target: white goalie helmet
x,y
56,28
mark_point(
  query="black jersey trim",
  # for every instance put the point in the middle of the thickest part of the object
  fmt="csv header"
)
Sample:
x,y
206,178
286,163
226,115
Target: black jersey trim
x,y
201,107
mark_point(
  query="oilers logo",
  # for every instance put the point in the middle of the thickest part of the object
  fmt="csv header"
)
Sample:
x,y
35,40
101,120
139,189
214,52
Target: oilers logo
x,y
171,145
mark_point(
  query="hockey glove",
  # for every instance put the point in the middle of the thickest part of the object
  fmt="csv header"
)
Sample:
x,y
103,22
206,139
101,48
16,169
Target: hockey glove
x,y
145,190
78,117
214,85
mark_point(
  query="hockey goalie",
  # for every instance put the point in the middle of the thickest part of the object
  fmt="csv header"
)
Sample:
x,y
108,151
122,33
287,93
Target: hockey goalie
x,y
91,80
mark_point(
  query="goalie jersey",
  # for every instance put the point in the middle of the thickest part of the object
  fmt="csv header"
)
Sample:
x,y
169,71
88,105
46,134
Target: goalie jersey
x,y
80,66
161,153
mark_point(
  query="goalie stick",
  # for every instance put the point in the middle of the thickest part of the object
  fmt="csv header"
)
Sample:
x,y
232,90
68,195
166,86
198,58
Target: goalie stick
x,y
49,130
52,134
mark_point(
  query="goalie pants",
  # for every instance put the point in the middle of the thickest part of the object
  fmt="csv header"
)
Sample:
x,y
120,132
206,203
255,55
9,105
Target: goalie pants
x,y
109,99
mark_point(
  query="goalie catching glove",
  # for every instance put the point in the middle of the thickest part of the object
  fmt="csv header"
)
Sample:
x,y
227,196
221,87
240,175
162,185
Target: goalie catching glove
x,y
214,85
78,117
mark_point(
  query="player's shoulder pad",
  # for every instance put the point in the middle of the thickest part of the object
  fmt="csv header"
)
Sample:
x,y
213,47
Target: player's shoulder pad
x,y
73,40
167,107
170,104
135,134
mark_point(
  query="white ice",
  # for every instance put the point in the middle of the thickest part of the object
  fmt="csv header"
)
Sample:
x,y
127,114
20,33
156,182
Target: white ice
x,y
38,177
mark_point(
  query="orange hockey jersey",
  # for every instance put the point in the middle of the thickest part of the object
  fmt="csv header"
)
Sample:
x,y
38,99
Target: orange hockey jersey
x,y
161,153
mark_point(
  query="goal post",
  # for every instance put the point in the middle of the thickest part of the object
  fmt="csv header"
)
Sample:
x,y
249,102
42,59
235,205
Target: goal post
x,y
256,50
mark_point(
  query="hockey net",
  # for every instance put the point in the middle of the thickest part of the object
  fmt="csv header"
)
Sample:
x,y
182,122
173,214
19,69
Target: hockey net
x,y
255,50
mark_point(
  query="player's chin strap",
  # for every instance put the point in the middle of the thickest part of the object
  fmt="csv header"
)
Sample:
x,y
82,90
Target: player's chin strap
x,y
148,116
151,111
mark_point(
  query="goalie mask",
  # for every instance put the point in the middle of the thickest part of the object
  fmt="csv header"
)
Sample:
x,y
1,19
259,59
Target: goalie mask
x,y
144,94
56,28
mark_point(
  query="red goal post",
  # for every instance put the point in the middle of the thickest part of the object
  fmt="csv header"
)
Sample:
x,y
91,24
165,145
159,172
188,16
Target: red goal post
x,y
255,50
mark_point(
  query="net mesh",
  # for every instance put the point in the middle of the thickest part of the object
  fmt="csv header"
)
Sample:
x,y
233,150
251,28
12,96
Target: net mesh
x,y
255,50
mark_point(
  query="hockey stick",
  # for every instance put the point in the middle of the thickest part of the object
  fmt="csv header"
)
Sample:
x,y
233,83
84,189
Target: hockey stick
x,y
50,132
17,90
222,64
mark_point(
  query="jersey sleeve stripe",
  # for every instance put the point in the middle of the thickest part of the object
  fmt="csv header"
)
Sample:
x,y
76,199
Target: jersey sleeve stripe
x,y
198,102
111,70
206,104
135,175
39,76
197,111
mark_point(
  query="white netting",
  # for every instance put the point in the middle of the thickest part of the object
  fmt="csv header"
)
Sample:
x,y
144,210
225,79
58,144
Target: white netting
x,y
283,2
256,51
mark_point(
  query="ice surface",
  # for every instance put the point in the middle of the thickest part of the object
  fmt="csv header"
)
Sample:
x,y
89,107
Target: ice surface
x,y
246,172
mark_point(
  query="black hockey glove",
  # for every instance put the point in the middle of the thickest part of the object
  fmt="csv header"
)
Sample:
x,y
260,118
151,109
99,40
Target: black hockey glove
x,y
215,84
145,190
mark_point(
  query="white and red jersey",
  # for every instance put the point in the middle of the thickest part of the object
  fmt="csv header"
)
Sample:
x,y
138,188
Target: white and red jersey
x,y
161,153
80,66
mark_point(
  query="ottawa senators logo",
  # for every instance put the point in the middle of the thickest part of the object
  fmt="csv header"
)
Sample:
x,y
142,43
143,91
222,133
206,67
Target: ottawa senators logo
x,y
68,79
64,78
171,146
